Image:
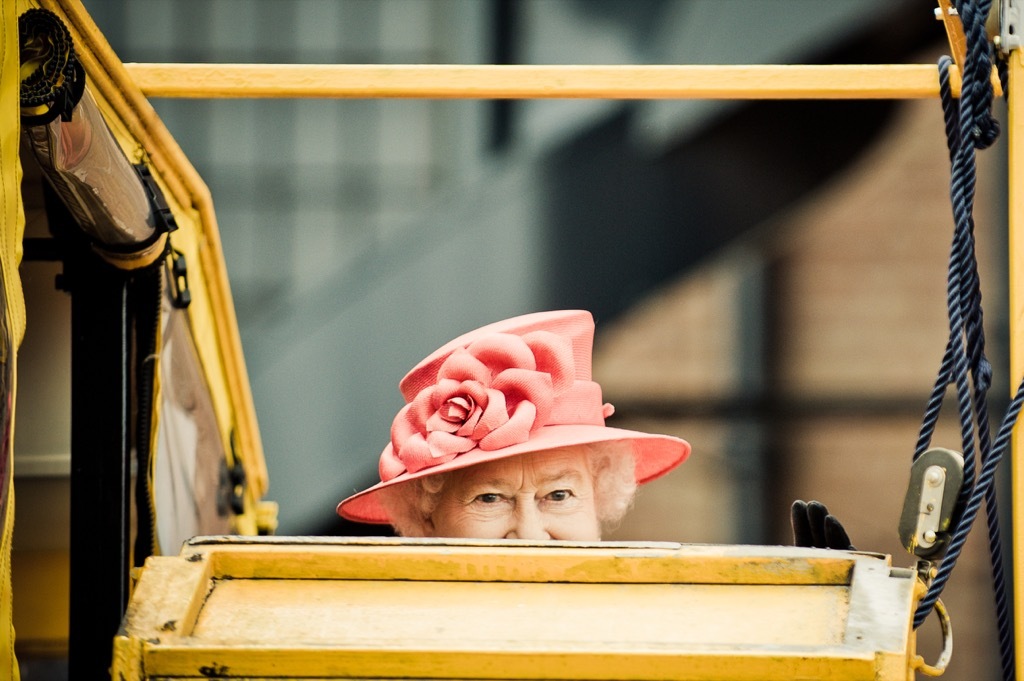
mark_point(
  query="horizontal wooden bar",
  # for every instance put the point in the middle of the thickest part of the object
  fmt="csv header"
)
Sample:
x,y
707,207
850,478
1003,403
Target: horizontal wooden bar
x,y
618,564
454,81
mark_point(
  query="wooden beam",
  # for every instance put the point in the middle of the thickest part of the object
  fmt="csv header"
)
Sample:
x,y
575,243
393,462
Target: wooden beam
x,y
454,81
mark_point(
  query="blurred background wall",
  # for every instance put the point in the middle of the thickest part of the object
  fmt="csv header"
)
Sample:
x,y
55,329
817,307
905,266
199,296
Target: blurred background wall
x,y
768,278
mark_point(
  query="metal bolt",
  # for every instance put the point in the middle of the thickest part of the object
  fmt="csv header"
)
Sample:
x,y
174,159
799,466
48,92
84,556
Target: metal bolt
x,y
934,476
930,536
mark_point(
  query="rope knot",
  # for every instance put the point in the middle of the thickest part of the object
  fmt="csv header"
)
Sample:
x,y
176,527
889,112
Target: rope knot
x,y
985,131
982,375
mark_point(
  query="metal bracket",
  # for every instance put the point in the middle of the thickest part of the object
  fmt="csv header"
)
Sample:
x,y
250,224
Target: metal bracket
x,y
1011,23
928,508
163,218
181,296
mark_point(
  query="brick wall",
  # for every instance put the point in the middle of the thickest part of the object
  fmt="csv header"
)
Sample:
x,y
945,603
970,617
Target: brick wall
x,y
857,317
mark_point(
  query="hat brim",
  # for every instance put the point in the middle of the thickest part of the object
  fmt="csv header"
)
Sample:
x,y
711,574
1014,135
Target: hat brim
x,y
655,455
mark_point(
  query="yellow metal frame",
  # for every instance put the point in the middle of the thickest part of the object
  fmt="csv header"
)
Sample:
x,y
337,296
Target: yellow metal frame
x,y
616,82
482,81
132,116
402,608
1015,213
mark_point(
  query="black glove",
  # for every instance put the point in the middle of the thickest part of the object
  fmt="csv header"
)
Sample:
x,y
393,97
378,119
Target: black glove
x,y
815,527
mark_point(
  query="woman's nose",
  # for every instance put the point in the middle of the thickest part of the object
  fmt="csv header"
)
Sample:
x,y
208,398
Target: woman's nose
x,y
528,523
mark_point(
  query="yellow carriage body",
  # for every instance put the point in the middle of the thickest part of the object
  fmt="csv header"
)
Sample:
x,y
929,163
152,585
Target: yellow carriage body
x,y
332,609
312,608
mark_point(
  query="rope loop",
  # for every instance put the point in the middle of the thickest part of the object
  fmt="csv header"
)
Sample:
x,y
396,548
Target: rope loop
x,y
969,127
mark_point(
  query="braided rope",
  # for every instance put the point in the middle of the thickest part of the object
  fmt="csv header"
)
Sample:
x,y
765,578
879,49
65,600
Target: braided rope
x,y
969,127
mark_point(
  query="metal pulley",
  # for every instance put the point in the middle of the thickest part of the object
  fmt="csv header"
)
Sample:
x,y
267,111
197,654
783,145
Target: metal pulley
x,y
935,481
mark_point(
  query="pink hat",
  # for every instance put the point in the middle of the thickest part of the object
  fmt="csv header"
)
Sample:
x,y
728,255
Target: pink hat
x,y
513,387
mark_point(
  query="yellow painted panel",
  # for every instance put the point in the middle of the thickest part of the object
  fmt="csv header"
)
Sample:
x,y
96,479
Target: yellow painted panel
x,y
41,601
715,665
399,608
473,616
12,228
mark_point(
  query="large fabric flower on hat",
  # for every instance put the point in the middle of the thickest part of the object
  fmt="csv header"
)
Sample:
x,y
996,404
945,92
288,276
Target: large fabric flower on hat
x,y
491,394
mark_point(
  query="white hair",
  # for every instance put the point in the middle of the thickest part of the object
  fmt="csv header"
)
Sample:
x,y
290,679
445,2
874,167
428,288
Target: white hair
x,y
612,467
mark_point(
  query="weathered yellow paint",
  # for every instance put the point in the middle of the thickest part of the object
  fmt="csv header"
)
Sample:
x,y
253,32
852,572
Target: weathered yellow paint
x,y
356,608
488,81
41,600
12,228
954,32
522,561
1015,142
171,593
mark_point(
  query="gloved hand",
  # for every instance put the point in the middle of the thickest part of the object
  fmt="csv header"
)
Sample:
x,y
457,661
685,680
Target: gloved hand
x,y
815,527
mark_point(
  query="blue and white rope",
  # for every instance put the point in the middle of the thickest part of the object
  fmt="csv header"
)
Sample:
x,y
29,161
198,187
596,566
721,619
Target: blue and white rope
x,y
969,127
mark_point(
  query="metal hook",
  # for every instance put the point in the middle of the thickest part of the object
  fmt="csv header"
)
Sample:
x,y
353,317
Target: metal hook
x,y
940,665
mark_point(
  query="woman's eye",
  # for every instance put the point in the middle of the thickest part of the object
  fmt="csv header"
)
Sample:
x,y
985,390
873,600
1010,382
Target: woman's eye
x,y
559,495
488,498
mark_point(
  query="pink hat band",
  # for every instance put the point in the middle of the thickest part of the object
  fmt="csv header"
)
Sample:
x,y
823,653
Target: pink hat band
x,y
492,394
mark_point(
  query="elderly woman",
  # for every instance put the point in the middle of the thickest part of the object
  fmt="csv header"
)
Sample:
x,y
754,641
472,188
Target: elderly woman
x,y
503,435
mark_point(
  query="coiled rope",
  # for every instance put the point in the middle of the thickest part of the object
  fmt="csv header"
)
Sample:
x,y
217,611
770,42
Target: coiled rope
x,y
970,127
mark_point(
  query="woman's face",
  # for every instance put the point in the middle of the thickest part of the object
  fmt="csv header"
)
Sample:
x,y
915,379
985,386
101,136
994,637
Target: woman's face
x,y
545,495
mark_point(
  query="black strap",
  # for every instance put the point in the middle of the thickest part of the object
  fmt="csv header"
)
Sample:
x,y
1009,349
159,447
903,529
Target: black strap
x,y
58,80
